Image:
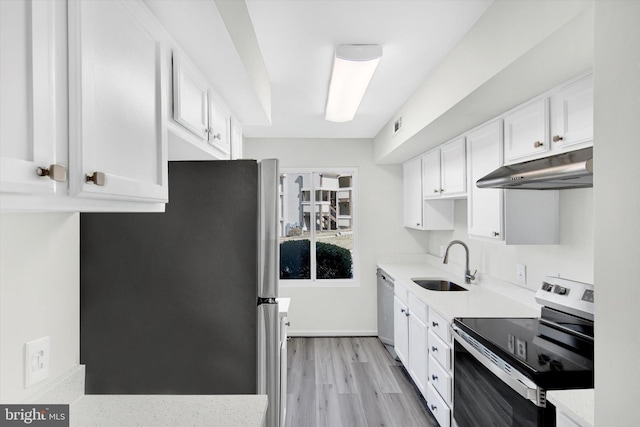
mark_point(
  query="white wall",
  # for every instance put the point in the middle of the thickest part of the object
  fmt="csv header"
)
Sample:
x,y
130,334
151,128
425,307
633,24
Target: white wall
x,y
347,311
572,258
39,295
617,211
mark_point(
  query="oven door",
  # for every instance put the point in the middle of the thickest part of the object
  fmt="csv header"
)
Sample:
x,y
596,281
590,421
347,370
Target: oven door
x,y
485,395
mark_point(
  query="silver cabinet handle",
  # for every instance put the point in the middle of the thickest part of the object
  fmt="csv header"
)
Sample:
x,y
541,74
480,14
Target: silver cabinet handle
x,y
54,172
434,324
402,310
434,348
495,234
434,407
538,144
435,190
98,178
434,377
287,323
557,138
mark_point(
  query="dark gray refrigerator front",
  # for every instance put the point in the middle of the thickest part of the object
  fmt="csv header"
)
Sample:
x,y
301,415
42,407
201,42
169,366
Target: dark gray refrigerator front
x,y
183,302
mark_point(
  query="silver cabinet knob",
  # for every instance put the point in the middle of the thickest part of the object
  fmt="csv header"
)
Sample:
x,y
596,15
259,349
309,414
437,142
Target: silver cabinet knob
x,y
434,407
435,190
54,172
98,178
434,377
434,324
214,135
495,234
538,144
417,224
434,348
557,138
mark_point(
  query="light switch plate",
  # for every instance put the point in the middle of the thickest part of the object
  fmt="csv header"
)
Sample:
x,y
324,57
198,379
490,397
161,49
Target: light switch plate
x,y
36,361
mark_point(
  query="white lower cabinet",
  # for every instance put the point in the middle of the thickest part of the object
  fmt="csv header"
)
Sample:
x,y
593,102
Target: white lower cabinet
x,y
440,410
401,330
423,344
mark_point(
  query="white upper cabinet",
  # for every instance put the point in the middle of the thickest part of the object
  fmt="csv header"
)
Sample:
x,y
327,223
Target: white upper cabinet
x,y
200,129
190,97
526,131
431,174
27,85
117,116
412,193
453,157
219,128
516,217
485,204
444,171
572,114
419,213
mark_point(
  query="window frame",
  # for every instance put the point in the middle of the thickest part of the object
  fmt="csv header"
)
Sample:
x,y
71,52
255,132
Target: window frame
x,y
314,282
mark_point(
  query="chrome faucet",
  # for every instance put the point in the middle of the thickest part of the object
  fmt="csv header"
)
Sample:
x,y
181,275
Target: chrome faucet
x,y
468,277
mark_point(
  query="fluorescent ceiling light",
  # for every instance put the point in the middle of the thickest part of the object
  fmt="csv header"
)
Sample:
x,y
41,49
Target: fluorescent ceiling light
x,y
353,68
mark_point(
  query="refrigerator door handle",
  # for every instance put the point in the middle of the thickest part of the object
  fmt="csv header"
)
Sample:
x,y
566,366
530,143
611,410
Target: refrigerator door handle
x,y
269,360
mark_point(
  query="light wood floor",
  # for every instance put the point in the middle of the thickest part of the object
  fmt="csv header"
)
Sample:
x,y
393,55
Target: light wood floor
x,y
350,382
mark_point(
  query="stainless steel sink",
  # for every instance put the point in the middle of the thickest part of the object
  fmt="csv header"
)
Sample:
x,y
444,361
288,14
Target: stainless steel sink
x,y
438,285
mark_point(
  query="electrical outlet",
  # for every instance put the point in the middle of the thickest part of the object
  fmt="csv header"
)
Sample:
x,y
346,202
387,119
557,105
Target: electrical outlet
x,y
521,274
36,361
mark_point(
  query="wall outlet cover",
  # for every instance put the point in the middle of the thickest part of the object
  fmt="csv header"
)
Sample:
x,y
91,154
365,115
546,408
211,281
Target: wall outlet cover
x,y
36,361
521,274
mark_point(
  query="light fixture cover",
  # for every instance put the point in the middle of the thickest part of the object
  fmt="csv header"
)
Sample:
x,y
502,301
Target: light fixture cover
x,y
353,68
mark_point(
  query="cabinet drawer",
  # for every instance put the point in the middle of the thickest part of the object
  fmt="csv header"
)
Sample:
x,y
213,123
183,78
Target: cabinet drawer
x,y
418,308
439,325
401,292
439,350
438,407
440,379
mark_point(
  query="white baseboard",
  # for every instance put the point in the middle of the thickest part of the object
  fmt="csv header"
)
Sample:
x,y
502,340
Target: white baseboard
x,y
340,333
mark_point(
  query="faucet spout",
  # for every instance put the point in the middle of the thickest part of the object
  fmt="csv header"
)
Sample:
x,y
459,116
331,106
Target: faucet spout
x,y
468,277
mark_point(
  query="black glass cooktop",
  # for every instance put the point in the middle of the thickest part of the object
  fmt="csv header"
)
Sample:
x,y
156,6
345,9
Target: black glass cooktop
x,y
562,362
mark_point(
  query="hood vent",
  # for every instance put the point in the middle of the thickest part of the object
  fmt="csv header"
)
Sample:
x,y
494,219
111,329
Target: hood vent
x,y
567,170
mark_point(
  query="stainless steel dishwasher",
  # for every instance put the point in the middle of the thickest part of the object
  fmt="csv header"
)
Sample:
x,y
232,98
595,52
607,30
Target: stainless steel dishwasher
x,y
385,310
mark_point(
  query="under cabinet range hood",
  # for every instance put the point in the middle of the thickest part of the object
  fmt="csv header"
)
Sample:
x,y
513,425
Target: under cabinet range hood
x,y
567,170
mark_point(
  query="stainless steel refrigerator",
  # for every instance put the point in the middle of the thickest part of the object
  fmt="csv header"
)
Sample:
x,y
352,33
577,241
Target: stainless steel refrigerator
x,y
183,302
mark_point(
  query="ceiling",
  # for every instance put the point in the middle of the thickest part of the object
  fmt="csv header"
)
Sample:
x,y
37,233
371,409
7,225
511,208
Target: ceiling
x,y
297,39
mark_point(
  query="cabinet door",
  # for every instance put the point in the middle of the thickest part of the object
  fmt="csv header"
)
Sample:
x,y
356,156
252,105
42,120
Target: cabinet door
x,y
219,132
116,102
485,205
526,131
454,168
401,330
418,352
412,192
27,85
572,114
431,174
190,97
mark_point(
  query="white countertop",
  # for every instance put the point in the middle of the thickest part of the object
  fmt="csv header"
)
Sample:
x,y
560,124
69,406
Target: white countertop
x,y
283,306
577,404
486,297
150,410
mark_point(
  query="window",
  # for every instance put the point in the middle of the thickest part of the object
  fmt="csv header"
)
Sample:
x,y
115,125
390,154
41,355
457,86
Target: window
x,y
317,226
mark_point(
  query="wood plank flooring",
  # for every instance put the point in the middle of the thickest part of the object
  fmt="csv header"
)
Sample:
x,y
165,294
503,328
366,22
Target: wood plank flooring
x,y
350,382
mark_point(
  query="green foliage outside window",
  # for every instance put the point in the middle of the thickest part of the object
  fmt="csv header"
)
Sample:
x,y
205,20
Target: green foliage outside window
x,y
332,261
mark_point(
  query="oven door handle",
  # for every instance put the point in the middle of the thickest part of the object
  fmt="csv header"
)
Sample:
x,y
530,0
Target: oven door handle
x,y
528,391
